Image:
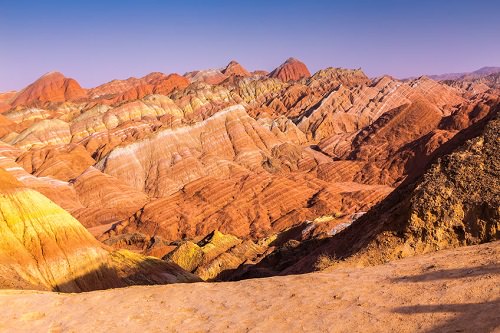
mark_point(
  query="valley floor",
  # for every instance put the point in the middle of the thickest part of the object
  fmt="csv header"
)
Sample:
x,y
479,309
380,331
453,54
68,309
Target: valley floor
x,y
448,291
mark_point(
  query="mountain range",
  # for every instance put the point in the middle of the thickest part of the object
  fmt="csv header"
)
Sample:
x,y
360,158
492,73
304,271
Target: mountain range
x,y
228,174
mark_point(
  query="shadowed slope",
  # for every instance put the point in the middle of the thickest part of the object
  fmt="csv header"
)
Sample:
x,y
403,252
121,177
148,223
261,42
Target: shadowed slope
x,y
455,203
43,247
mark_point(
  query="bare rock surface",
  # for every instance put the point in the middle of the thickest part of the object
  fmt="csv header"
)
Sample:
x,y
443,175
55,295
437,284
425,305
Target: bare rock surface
x,y
291,70
448,291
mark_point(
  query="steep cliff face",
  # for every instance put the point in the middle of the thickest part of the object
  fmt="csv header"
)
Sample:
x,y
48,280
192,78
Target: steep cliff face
x,y
458,201
455,203
43,247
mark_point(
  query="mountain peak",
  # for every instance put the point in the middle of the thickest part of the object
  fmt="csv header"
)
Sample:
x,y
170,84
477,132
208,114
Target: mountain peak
x,y
486,70
51,75
291,70
234,68
50,87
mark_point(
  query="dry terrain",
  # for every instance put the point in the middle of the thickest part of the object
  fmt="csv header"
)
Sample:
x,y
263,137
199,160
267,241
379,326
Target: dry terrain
x,y
448,291
128,190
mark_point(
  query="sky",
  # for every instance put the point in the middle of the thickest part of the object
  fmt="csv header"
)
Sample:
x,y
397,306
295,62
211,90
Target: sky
x,y
97,41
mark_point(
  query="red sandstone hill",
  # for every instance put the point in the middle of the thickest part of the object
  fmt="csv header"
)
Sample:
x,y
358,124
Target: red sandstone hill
x,y
51,87
234,68
132,88
291,70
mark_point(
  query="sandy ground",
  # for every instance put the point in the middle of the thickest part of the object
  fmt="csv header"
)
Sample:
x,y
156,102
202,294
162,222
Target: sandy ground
x,y
449,291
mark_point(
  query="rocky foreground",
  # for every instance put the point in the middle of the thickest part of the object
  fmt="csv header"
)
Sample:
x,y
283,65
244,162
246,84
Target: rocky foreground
x,y
448,291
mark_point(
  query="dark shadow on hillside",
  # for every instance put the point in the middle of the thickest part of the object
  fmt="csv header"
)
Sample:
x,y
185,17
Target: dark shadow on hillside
x,y
275,263
294,233
390,216
146,272
468,317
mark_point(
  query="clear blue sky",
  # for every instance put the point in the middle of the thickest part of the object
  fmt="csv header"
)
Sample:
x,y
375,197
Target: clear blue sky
x,y
96,41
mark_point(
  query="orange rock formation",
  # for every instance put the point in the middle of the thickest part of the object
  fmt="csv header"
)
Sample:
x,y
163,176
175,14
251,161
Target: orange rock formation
x,y
291,70
153,163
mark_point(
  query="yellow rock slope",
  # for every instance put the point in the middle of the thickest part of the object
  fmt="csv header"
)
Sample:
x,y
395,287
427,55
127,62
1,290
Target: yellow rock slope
x,y
44,247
